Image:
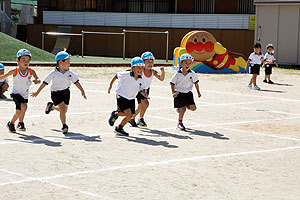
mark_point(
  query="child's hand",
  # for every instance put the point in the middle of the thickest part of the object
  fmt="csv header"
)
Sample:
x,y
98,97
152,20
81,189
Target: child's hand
x,y
83,94
174,95
162,69
199,95
109,89
34,94
37,81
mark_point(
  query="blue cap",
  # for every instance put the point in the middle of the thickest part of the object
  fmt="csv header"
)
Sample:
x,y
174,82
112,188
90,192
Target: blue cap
x,y
186,56
23,52
137,61
62,55
148,55
1,66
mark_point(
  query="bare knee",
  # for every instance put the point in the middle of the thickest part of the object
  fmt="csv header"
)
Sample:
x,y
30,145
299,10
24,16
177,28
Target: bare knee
x,y
128,113
5,87
24,106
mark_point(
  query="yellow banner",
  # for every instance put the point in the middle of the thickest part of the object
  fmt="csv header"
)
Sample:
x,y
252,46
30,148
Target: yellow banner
x,y
252,22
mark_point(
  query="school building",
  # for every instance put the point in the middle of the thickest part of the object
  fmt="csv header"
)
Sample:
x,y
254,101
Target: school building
x,y
229,21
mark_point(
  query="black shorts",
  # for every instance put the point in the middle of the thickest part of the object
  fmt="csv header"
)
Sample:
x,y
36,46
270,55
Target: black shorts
x,y
254,69
18,99
268,68
140,97
61,96
184,99
124,104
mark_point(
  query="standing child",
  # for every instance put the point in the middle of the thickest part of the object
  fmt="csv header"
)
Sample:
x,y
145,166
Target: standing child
x,y
181,85
20,89
3,83
147,76
130,83
255,60
61,78
269,62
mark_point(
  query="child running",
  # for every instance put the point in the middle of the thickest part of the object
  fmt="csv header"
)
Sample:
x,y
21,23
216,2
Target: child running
x,y
3,83
255,60
147,76
20,89
181,85
130,83
269,63
61,78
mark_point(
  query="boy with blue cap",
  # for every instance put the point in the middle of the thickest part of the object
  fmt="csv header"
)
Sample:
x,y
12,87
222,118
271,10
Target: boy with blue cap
x,y
3,83
181,85
61,78
130,83
147,76
20,89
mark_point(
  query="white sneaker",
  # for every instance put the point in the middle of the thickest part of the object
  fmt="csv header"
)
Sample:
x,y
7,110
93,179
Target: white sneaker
x,y
250,86
256,87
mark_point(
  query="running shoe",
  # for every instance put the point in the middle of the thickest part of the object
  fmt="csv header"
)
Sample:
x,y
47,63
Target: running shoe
x,y
49,107
21,126
180,126
250,86
256,87
133,123
120,131
113,118
271,82
142,123
178,110
265,81
65,129
11,127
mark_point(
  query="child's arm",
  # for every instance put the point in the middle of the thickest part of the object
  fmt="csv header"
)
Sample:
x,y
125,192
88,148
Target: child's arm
x,y
173,91
160,77
78,85
11,72
197,88
111,83
34,94
36,78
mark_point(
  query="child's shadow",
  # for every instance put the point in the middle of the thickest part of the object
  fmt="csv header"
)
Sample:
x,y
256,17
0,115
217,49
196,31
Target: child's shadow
x,y
164,134
282,84
6,99
148,141
215,135
276,91
78,136
36,140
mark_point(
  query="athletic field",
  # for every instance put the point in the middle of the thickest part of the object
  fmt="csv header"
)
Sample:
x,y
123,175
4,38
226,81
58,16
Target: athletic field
x,y
240,143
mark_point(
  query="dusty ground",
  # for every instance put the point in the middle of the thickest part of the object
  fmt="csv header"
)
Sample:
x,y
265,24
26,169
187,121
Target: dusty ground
x,y
230,151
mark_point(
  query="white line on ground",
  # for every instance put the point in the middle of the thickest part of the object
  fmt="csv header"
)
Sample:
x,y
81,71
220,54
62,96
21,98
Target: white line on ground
x,y
164,162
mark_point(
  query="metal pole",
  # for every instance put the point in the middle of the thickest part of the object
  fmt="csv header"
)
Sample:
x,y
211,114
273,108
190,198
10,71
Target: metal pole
x,y
124,43
43,39
167,47
82,43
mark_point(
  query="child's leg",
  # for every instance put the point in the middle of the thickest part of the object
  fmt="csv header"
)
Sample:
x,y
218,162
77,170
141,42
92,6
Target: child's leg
x,y
62,108
254,79
127,116
22,112
251,80
137,111
145,105
4,88
16,116
192,107
268,77
181,113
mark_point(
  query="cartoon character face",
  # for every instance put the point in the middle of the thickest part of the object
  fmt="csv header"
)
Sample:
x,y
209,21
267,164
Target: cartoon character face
x,y
200,44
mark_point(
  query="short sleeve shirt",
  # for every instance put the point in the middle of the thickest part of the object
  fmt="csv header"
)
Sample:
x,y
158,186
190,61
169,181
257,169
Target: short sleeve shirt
x,y
184,82
269,56
128,86
61,80
256,58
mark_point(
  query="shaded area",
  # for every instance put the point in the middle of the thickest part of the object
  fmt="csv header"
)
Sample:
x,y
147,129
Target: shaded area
x,y
164,134
148,141
36,140
215,135
282,84
78,136
276,91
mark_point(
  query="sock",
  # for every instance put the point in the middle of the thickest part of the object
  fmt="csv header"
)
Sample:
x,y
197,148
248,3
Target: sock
x,y
12,122
142,118
120,126
180,121
21,122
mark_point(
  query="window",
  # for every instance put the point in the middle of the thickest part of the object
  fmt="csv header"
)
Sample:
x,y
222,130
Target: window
x,y
120,6
246,7
144,6
134,6
204,6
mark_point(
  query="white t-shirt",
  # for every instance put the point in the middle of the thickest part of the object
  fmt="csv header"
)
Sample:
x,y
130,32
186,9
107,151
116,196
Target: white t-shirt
x,y
128,87
184,83
21,83
147,80
61,80
256,58
269,56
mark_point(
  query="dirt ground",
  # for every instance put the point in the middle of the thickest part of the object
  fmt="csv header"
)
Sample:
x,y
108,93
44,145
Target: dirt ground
x,y
240,143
